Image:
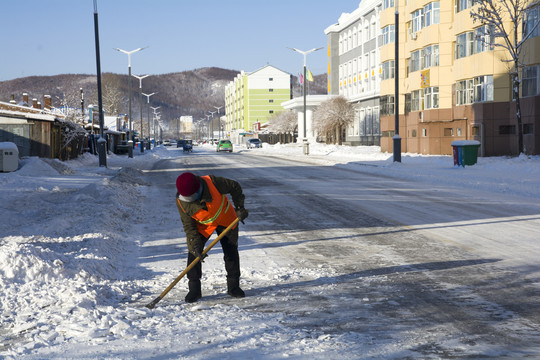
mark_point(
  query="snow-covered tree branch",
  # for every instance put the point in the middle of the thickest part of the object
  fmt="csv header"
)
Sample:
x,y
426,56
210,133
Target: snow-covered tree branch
x,y
332,117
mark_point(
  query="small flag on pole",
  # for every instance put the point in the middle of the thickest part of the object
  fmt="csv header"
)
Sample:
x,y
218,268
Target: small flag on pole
x,y
301,78
309,75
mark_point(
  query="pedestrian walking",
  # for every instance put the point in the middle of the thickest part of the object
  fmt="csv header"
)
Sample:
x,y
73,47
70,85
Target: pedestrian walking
x,y
204,207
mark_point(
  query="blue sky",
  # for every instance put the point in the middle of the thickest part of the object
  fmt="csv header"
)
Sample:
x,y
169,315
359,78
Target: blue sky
x,y
49,37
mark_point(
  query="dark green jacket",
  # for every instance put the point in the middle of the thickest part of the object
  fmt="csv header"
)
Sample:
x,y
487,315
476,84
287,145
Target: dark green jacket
x,y
224,186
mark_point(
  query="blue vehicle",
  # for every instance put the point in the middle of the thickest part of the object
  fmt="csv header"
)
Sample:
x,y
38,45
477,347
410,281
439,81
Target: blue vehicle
x,y
188,145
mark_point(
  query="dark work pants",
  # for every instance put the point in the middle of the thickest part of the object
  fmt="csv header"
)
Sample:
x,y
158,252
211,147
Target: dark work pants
x,y
229,244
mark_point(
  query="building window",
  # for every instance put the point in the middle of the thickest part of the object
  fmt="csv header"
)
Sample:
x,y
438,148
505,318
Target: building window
x,y
432,14
448,132
474,42
431,98
271,79
483,88
271,90
483,39
461,5
530,20
388,70
464,45
417,20
415,100
387,105
528,129
430,56
407,103
529,81
271,100
424,132
387,4
464,92
388,34
507,130
271,111
415,61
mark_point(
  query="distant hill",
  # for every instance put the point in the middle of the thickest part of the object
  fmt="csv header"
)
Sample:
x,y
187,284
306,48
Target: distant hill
x,y
193,92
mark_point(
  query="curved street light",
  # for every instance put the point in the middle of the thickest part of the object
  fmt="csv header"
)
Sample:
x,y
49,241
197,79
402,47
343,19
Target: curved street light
x,y
305,53
129,92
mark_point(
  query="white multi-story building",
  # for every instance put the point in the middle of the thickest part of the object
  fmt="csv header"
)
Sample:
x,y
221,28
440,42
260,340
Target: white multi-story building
x,y
354,69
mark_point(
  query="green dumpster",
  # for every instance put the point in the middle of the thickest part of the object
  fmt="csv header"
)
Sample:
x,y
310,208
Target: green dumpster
x,y
465,152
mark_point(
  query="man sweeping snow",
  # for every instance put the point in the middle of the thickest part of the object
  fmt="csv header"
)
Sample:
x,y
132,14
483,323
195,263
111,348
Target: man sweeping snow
x,y
204,208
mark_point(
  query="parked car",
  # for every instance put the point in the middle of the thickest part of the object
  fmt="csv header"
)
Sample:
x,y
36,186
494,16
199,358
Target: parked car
x,y
167,143
254,143
224,145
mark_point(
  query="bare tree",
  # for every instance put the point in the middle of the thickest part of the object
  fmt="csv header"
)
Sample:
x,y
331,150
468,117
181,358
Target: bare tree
x,y
283,122
113,97
504,18
331,117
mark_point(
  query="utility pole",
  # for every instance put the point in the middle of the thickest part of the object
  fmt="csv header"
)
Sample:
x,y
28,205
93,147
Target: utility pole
x,y
102,143
396,138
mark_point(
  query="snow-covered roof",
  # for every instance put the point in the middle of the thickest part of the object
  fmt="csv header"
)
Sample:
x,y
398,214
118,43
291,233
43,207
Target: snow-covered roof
x,y
264,67
346,19
311,100
6,145
27,115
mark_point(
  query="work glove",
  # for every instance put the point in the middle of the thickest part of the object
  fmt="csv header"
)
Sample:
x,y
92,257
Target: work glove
x,y
241,214
196,247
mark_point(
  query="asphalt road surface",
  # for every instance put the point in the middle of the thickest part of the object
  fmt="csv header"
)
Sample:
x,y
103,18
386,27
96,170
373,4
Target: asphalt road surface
x,y
451,270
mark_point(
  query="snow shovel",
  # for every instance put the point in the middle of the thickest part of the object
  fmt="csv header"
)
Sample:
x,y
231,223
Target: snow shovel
x,y
190,266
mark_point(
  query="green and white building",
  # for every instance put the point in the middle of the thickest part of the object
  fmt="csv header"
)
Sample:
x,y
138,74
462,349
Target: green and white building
x,y
251,99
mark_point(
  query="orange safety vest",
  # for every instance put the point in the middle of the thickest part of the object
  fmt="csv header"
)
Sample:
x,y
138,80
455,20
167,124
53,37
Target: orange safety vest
x,y
219,213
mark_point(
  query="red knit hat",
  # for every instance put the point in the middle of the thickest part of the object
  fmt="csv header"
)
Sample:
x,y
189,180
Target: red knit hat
x,y
187,184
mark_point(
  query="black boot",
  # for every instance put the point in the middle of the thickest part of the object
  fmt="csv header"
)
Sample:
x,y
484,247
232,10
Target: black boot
x,y
233,288
194,293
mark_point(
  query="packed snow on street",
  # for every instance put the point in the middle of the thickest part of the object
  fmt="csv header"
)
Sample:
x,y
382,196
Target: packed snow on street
x,y
345,254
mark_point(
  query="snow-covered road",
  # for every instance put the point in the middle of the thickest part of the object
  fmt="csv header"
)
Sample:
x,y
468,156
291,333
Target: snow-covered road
x,y
337,262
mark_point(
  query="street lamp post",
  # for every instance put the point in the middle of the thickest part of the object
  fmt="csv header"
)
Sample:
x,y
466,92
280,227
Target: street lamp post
x,y
154,109
148,117
102,144
396,138
201,129
130,141
141,142
208,128
305,53
219,121
212,124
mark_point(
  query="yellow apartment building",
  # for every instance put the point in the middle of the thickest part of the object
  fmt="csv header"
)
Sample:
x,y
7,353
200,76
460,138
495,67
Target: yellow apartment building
x,y
453,84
